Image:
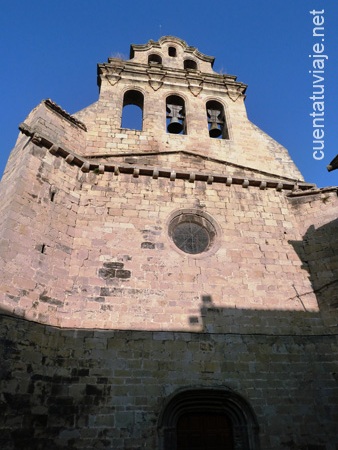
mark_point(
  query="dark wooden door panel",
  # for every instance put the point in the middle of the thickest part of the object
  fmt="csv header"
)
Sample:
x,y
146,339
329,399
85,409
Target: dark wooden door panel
x,y
204,431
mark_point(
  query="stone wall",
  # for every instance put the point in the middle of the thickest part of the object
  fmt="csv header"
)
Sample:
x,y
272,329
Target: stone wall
x,y
87,223
104,319
248,145
86,389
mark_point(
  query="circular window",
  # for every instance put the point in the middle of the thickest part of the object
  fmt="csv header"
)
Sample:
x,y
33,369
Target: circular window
x,y
191,237
192,233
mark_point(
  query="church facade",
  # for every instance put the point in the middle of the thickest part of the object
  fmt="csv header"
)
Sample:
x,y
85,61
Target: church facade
x,y
168,278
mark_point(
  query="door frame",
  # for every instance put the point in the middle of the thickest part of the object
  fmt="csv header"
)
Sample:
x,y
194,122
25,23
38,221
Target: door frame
x,y
209,400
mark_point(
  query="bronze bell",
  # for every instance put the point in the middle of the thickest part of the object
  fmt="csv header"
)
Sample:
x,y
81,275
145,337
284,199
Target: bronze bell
x,y
175,126
214,131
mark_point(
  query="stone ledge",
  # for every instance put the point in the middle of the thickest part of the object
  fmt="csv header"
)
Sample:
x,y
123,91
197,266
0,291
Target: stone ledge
x,y
87,165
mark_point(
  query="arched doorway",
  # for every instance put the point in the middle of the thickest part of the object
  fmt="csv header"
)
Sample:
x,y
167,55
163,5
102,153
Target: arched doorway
x,y
207,419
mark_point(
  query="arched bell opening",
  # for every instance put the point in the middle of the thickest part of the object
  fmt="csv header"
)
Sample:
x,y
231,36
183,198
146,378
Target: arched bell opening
x,y
175,109
207,418
154,59
172,52
132,112
190,64
216,120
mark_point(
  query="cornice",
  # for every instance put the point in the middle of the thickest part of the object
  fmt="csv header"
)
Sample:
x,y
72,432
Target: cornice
x,y
194,154
61,112
116,69
174,40
89,165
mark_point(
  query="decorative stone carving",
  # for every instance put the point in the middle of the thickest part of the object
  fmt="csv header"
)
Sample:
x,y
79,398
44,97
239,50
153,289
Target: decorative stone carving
x,y
195,85
156,78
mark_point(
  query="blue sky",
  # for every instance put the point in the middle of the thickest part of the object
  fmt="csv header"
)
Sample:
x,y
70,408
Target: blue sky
x,y
49,49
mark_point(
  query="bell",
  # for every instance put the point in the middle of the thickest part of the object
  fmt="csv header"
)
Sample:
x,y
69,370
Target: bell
x,y
214,131
175,126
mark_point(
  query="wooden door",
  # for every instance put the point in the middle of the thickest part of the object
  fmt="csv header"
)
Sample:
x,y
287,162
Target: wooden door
x,y
204,431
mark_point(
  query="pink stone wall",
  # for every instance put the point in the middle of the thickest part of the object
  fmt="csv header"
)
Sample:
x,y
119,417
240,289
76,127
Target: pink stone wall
x,y
97,220
103,318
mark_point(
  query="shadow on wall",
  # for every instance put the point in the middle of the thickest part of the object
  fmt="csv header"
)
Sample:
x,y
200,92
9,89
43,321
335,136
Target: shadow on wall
x,y
319,253
242,321
80,389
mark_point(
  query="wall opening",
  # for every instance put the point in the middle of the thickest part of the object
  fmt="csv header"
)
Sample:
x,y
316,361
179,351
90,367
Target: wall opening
x,y
175,108
192,232
132,112
190,64
172,52
154,59
216,120
189,417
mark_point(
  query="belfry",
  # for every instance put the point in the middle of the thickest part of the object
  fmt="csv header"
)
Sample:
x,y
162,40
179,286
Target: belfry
x,y
168,278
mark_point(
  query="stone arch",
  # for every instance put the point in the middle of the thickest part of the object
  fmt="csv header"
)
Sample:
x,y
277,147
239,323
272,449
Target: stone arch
x,y
154,58
176,116
190,64
172,51
214,401
217,121
132,110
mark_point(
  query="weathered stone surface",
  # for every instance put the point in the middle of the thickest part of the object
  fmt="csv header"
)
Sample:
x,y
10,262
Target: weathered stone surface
x,y
104,319
277,375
